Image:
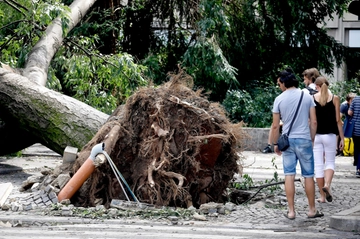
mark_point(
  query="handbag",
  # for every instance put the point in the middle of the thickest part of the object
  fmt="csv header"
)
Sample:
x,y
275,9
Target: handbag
x,y
348,127
283,141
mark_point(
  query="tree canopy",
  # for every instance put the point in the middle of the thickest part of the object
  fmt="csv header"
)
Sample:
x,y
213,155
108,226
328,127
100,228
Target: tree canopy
x,y
121,45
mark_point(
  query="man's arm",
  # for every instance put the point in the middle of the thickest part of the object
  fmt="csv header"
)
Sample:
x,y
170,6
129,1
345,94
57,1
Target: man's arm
x,y
275,128
350,111
313,123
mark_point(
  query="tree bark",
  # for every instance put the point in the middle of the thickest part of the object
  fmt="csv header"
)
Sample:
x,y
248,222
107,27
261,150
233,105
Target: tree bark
x,y
30,113
43,115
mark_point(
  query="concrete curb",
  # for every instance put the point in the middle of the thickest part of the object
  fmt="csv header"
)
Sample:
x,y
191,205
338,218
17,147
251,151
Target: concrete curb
x,y
37,220
348,220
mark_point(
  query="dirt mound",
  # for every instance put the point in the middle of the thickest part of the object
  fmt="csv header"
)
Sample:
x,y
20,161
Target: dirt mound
x,y
173,147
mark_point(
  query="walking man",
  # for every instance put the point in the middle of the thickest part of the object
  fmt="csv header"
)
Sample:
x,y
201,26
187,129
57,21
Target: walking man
x,y
301,139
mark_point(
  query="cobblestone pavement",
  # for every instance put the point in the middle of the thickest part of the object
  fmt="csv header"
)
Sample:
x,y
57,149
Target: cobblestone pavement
x,y
266,213
345,190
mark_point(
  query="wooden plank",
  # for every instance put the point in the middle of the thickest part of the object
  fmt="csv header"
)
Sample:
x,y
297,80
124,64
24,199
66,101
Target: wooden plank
x,y
5,190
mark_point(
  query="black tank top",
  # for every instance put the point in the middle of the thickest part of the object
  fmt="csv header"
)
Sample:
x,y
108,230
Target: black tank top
x,y
326,118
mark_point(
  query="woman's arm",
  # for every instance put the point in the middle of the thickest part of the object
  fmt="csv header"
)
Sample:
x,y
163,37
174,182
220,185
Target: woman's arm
x,y
339,122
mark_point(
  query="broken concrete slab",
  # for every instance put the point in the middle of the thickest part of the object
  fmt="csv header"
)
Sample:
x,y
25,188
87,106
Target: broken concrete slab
x,y
70,154
38,150
5,190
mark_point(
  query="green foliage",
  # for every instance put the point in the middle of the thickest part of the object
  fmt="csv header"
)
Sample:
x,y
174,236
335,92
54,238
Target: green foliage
x,y
23,23
208,66
78,68
245,184
275,178
16,154
269,186
155,65
214,22
254,107
264,34
342,88
102,81
231,49
204,59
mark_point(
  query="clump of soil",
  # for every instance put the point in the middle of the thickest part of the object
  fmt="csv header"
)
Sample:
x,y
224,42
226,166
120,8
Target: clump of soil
x,y
173,147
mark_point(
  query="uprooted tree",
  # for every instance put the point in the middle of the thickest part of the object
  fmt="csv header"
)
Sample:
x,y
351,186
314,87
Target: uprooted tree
x,y
171,144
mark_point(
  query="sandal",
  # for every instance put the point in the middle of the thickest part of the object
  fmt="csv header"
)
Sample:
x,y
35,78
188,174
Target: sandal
x,y
329,197
317,214
287,216
320,201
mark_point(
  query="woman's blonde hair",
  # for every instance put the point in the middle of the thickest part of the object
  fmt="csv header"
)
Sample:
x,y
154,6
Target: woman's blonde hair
x,y
323,83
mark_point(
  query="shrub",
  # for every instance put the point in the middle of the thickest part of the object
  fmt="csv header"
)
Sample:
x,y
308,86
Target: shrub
x,y
254,107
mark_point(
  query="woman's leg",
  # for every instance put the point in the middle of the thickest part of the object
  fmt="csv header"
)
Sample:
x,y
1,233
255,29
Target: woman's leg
x,y
329,142
319,165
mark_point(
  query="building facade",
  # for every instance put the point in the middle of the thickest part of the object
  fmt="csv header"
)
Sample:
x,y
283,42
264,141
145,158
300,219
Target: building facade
x,y
347,31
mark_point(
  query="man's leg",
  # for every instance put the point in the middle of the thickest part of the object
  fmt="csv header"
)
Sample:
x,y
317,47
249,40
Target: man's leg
x,y
307,171
290,194
356,163
310,193
321,183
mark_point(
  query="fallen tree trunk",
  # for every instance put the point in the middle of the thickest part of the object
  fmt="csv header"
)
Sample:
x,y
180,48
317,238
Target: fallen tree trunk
x,y
20,126
40,115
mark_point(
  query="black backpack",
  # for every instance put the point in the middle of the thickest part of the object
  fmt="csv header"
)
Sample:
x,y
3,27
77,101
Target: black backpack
x,y
312,91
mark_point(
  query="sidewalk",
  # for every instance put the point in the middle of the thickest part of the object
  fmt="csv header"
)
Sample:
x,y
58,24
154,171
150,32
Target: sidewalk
x,y
344,211
342,214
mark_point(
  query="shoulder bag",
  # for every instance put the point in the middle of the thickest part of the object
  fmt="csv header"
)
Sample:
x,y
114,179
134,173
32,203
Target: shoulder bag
x,y
283,141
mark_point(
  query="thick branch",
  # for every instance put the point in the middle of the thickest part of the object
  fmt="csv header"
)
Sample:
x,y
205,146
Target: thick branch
x,y
42,53
13,3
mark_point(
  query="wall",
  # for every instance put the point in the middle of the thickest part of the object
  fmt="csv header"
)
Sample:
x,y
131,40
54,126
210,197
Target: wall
x,y
255,138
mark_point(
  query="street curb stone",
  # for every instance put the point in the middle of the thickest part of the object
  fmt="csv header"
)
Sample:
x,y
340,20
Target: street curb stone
x,y
348,220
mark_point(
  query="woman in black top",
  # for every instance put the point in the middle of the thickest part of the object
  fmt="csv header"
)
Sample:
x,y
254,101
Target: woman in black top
x,y
329,125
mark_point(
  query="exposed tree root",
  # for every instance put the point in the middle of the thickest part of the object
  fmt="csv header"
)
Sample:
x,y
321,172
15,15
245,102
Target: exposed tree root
x,y
172,146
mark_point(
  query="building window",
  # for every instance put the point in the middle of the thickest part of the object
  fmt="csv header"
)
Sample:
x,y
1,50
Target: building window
x,y
354,38
352,65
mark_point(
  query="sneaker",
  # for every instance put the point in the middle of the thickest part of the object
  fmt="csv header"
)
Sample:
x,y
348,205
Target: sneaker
x,y
358,174
267,149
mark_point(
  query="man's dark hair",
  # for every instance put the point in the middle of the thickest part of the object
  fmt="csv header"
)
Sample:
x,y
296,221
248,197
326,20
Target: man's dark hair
x,y
350,96
288,78
287,69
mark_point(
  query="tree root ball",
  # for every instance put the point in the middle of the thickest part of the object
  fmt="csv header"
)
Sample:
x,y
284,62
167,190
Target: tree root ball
x,y
173,147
